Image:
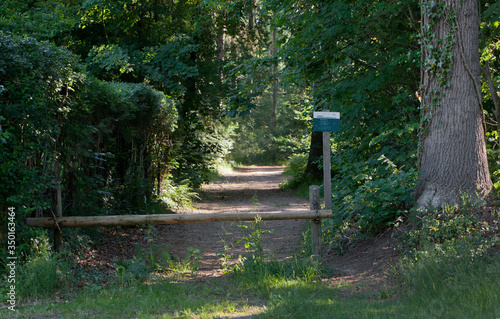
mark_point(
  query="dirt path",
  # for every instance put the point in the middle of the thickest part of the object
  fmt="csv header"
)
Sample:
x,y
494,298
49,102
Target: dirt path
x,y
245,189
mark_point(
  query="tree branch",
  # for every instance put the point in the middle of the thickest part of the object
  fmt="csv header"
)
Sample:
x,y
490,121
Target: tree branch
x,y
362,62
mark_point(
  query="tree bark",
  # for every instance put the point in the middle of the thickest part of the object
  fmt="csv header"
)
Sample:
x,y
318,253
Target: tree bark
x,y
453,160
315,154
275,83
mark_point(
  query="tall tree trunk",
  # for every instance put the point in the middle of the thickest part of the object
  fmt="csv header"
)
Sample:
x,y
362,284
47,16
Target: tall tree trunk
x,y
453,159
221,51
251,17
275,82
315,155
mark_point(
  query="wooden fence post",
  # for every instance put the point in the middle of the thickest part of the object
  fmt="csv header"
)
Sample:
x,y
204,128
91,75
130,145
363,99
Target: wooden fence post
x,y
315,223
327,169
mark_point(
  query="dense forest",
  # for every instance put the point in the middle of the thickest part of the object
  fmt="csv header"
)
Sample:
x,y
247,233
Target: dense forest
x,y
129,106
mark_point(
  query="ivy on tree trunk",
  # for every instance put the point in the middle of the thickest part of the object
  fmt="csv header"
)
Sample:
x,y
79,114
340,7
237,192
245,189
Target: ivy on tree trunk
x,y
453,159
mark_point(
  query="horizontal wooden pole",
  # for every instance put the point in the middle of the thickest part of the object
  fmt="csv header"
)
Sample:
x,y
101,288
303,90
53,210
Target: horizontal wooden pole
x,y
132,220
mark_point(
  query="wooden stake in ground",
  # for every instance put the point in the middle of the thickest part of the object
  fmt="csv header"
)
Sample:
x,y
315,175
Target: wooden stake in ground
x,y
327,169
316,222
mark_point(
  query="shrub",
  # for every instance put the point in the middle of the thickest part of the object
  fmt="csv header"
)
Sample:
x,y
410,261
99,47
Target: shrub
x,y
135,126
43,273
375,197
446,260
450,233
36,79
369,202
177,196
109,144
296,165
200,147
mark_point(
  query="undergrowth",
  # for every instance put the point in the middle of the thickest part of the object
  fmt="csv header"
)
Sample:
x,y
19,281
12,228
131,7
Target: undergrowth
x,y
447,268
258,270
177,196
448,262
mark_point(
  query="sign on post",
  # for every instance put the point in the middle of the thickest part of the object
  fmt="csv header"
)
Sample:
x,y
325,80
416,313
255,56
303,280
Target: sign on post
x,y
326,121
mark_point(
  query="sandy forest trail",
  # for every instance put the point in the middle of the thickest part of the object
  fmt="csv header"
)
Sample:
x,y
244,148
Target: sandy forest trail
x,y
244,189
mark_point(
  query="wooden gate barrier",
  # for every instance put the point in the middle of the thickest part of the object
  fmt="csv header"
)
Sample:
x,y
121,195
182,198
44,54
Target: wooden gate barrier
x,y
314,213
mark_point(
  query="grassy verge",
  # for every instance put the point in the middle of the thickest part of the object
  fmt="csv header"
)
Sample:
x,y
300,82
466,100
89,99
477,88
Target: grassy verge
x,y
275,290
450,271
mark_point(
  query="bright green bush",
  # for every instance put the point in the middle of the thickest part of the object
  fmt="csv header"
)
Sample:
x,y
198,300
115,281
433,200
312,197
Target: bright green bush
x,y
367,199
177,196
296,165
371,196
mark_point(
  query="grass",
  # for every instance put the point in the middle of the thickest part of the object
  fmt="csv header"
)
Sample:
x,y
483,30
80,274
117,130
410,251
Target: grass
x,y
472,293
267,288
271,289
460,289
163,299
448,273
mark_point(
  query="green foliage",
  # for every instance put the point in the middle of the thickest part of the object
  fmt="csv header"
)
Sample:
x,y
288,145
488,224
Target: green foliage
x,y
366,204
155,258
95,129
34,112
44,272
250,80
189,264
464,233
109,144
177,196
447,260
296,165
169,65
111,59
370,201
201,148
136,149
253,239
42,19
257,269
257,141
